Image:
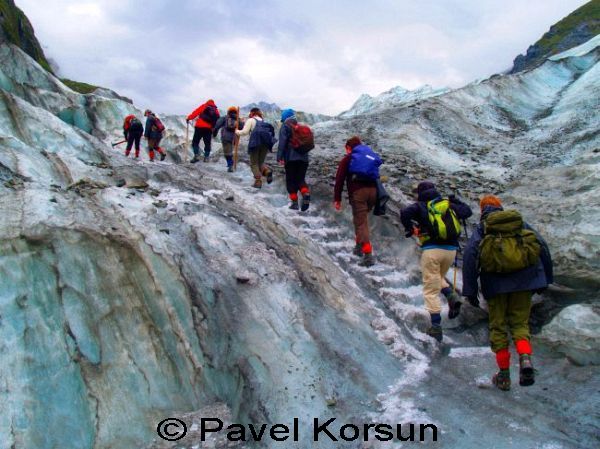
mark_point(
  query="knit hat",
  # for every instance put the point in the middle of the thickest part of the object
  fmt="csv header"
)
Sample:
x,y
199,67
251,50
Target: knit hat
x,y
147,112
424,186
286,114
490,200
231,109
353,141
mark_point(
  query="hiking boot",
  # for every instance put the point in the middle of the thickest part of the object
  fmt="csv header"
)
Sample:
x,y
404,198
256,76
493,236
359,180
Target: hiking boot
x,y
230,169
257,184
305,203
126,153
368,260
163,156
270,177
294,205
454,304
526,371
206,159
195,159
357,251
435,332
502,380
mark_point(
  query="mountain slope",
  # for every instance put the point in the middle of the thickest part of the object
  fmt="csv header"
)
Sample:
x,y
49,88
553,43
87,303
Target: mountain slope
x,y
575,29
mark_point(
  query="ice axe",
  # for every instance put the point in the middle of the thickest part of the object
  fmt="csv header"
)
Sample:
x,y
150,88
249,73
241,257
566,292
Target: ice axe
x,y
236,140
118,143
187,138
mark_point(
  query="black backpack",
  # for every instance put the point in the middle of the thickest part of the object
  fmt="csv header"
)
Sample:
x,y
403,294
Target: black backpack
x,y
230,123
210,115
263,135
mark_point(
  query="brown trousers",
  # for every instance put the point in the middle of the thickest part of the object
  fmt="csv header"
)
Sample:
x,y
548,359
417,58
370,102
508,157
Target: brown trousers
x,y
362,201
257,162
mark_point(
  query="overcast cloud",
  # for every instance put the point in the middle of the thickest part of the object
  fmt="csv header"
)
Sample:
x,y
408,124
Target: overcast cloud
x,y
316,56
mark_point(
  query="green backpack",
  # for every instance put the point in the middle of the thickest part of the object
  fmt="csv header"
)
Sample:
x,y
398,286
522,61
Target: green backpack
x,y
506,246
444,225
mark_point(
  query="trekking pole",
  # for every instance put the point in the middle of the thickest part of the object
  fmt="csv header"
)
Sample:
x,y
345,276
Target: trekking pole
x,y
236,140
118,143
187,139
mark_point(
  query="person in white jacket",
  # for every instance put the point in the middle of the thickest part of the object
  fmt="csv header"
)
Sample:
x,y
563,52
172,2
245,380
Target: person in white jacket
x,y
262,138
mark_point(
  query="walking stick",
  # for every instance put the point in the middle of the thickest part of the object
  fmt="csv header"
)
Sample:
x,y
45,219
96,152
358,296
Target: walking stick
x,y
187,138
118,143
236,140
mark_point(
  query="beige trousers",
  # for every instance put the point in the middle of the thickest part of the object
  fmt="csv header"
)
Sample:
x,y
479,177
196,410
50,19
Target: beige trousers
x,y
435,263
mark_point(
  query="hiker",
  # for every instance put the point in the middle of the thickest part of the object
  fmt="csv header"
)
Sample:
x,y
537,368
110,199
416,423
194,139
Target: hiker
x,y
206,116
360,179
153,134
262,139
294,158
133,131
509,275
435,220
227,124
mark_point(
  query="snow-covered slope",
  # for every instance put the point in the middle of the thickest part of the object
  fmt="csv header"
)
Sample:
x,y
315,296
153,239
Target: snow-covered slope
x,y
396,96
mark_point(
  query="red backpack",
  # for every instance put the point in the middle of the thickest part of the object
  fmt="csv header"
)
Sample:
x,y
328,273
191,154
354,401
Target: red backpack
x,y
302,140
158,125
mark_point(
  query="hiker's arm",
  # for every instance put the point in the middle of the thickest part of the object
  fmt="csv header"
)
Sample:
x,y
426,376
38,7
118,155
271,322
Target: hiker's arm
x,y
247,128
408,215
218,125
284,138
545,256
469,269
340,177
196,113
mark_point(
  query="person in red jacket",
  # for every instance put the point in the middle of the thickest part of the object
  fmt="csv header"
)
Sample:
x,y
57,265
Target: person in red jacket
x,y
363,195
206,116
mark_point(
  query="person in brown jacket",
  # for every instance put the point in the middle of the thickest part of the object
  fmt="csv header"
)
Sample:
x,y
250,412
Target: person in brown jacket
x,y
362,193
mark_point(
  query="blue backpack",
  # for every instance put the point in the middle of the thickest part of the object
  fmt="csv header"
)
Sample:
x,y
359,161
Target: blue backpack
x,y
263,135
364,163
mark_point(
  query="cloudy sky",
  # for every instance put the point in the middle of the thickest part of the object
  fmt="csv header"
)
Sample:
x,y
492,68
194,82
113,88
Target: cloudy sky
x,y
316,56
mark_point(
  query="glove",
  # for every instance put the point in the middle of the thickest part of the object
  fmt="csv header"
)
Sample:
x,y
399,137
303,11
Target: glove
x,y
337,205
281,162
473,300
452,198
408,234
539,291
214,134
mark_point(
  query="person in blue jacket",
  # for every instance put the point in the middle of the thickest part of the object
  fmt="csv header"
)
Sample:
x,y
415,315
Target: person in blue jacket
x,y
509,299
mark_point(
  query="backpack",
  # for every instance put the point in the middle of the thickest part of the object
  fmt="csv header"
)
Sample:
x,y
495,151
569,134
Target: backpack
x,y
507,246
364,163
135,125
263,135
230,123
443,223
210,114
158,125
302,140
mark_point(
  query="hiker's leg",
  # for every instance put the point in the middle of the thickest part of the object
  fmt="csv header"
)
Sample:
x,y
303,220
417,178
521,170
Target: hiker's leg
x,y
206,137
432,282
130,139
196,141
138,138
290,180
262,156
360,213
151,146
446,261
518,310
254,165
497,308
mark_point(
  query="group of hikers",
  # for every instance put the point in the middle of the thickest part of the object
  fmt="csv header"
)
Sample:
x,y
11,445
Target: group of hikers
x,y
504,256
